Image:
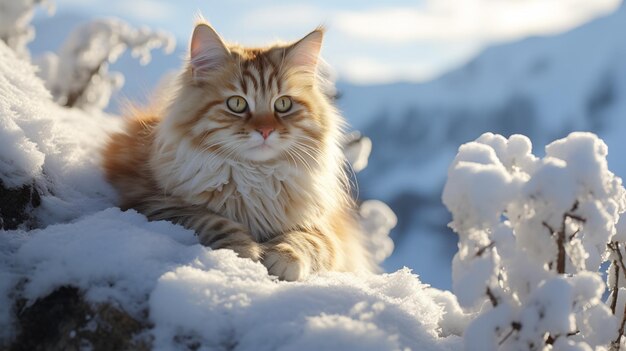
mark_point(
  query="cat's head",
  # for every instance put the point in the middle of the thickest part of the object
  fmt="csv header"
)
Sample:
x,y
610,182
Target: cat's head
x,y
255,104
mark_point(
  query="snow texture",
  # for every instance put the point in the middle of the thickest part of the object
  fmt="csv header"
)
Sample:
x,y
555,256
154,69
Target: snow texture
x,y
533,233
57,150
194,296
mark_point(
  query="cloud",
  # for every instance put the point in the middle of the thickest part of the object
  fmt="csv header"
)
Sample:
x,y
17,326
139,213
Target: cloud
x,y
366,70
289,16
477,20
146,10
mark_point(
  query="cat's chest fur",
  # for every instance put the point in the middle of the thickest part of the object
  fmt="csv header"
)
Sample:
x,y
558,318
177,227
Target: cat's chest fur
x,y
268,198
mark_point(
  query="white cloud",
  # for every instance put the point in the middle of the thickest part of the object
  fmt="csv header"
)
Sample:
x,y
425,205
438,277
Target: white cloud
x,y
290,16
365,70
146,10
478,20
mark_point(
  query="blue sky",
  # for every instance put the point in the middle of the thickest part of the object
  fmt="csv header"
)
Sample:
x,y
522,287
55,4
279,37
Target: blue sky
x,y
367,42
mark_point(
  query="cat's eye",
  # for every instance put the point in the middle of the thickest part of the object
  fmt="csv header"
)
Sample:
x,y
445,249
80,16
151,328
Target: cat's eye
x,y
283,104
237,104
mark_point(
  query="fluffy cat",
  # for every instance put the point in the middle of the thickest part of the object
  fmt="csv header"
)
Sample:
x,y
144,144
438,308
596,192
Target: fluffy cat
x,y
247,154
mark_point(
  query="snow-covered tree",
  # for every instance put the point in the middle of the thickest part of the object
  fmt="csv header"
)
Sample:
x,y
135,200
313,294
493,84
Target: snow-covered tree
x,y
533,233
15,28
78,75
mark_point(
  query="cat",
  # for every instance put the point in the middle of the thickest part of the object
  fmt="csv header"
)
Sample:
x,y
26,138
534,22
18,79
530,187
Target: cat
x,y
247,153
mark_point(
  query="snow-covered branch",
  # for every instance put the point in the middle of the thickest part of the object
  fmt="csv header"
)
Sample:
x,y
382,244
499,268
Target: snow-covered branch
x,y
15,28
78,75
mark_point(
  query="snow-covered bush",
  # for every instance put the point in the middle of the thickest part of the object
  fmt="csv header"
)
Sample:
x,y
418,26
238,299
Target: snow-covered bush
x,y
15,28
533,233
78,75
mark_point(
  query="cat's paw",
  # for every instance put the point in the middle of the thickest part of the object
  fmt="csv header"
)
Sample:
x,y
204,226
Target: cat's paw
x,y
241,242
250,250
281,261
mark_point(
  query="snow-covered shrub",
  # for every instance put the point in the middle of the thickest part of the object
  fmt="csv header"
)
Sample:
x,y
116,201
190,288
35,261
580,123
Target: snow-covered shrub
x,y
533,233
78,75
15,28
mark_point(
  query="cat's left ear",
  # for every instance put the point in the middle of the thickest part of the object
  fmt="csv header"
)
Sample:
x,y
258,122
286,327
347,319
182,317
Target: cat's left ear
x,y
207,50
304,54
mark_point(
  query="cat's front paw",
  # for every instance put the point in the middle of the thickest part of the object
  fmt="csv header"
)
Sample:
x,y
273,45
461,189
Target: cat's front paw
x,y
250,250
281,261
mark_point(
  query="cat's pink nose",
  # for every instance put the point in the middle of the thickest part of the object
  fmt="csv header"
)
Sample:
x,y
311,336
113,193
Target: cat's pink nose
x,y
265,131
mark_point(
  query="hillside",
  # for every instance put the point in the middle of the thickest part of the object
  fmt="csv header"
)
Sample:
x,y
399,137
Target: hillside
x,y
542,87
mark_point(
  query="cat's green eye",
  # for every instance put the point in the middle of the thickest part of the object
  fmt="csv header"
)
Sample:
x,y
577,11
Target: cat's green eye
x,y
237,104
283,104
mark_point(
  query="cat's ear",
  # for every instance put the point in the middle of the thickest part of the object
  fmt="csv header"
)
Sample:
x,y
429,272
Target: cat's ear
x,y
304,54
207,51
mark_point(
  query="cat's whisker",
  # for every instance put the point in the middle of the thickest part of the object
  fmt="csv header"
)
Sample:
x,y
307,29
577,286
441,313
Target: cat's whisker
x,y
303,160
312,153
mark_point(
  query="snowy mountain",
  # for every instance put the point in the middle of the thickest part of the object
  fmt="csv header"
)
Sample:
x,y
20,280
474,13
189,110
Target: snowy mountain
x,y
542,87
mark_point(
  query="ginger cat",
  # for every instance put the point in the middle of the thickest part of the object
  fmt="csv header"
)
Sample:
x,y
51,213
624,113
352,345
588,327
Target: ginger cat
x,y
247,154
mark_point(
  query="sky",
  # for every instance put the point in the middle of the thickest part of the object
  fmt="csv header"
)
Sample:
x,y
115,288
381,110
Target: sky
x,y
367,42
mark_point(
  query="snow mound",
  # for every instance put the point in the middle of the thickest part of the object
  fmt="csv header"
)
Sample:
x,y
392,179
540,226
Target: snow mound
x,y
194,295
190,296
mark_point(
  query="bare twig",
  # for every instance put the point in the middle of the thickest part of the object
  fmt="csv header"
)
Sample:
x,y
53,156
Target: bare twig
x,y
552,231
492,297
614,246
571,237
561,236
575,217
615,289
616,343
482,250
515,326
560,259
550,340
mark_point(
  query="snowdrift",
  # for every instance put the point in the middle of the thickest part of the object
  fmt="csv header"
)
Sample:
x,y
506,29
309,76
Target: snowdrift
x,y
77,272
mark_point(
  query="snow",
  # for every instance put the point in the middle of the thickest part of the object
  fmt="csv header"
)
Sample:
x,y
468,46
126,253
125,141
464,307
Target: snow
x,y
15,28
157,272
41,145
508,205
544,87
357,150
523,222
215,298
84,58
377,219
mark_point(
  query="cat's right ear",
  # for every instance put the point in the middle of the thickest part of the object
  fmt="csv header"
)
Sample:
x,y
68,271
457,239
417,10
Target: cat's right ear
x,y
207,51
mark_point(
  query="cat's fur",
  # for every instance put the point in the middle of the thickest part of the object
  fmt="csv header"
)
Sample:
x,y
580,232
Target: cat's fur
x,y
284,200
